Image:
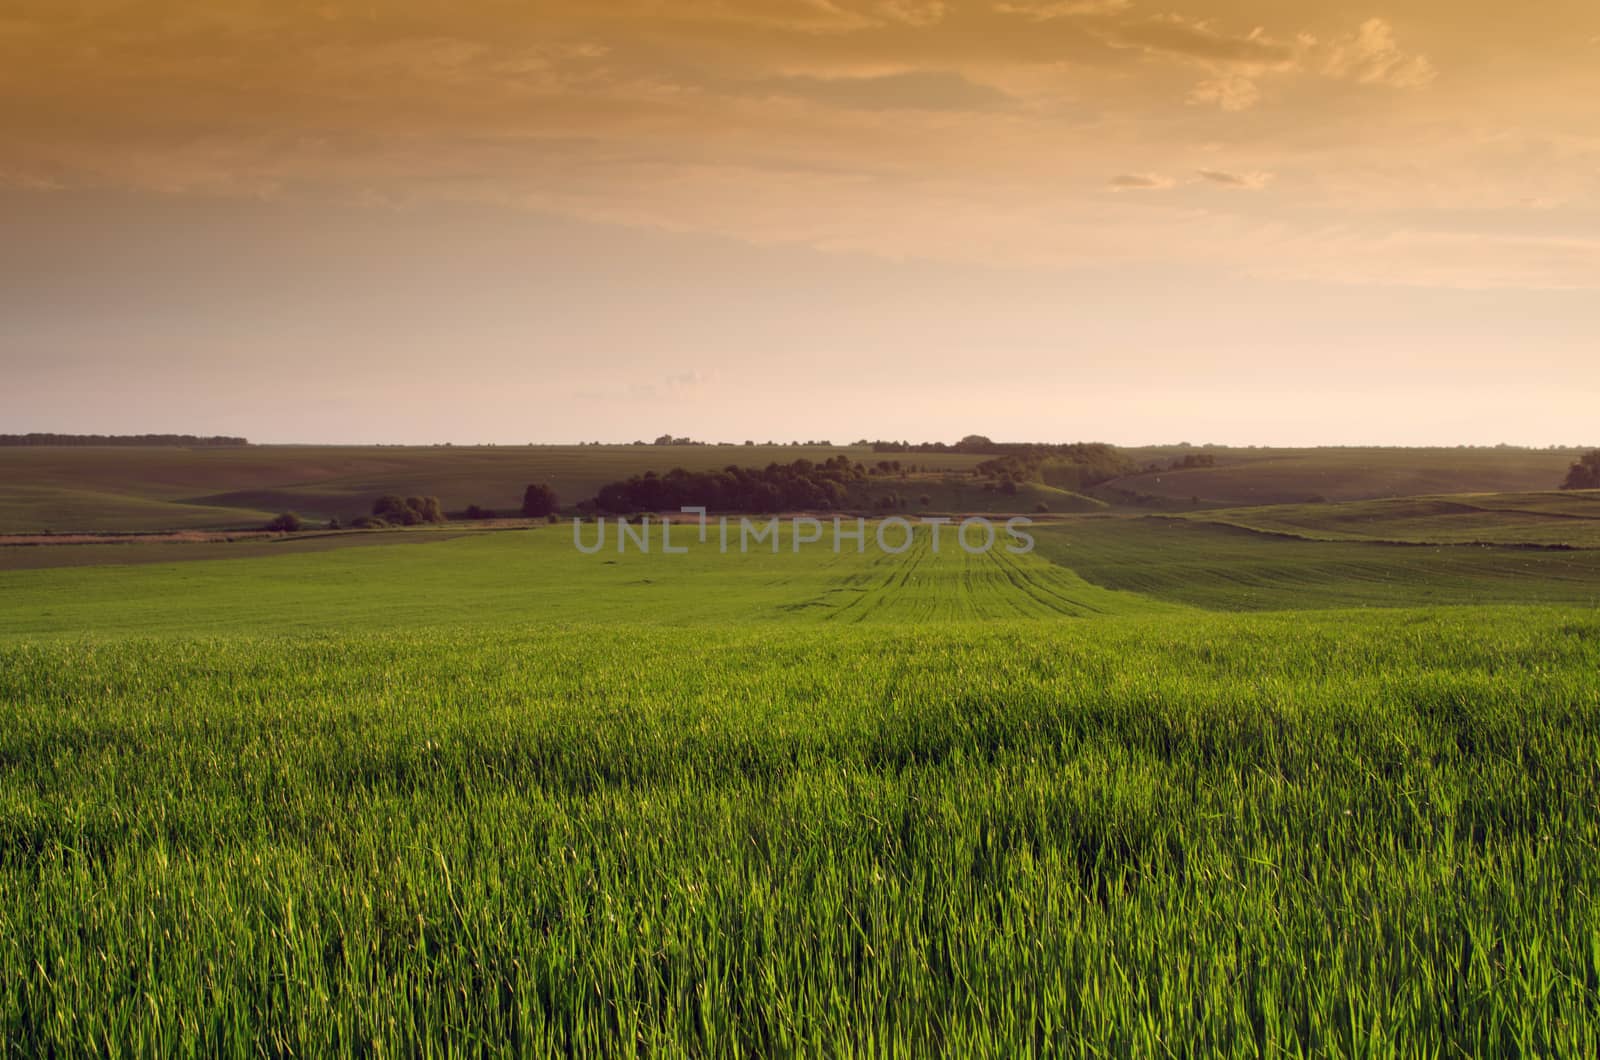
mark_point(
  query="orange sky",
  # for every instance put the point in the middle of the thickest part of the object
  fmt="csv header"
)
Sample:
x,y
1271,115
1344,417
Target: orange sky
x,y
1230,220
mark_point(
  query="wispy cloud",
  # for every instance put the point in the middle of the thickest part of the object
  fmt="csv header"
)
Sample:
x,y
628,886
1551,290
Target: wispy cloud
x,y
912,90
1244,181
1045,10
1141,182
1372,56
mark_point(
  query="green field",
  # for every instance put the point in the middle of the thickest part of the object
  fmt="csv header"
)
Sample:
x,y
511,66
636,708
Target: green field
x,y
1566,519
480,790
1217,566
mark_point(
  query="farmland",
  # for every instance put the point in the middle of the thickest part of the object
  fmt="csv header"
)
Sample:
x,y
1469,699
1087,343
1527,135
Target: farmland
x,y
1551,519
1293,476
480,788
69,489
133,489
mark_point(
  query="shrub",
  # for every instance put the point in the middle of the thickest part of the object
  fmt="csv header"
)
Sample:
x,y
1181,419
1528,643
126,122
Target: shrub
x,y
539,500
370,522
287,523
475,512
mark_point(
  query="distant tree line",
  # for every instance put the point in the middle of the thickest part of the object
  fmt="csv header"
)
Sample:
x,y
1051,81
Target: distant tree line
x,y
191,441
1016,462
1585,474
802,485
973,443
670,439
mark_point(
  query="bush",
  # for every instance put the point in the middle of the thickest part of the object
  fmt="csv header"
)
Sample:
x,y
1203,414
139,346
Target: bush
x,y
1041,507
539,500
333,524
475,512
287,523
370,522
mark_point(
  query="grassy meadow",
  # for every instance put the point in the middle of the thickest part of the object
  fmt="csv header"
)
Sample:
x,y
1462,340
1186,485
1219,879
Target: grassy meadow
x,y
1167,785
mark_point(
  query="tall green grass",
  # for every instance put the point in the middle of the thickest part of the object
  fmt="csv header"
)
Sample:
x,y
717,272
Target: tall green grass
x,y
1343,834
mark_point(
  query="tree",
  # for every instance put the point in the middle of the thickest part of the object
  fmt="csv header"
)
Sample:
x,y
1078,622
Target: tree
x,y
407,511
286,523
539,500
1585,474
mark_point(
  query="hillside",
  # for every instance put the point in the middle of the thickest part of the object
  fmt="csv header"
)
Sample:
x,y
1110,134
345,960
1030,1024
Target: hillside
x,y
65,489
1294,476
144,489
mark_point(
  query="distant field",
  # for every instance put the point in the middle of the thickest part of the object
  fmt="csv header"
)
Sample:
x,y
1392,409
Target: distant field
x,y
140,550
1201,564
156,489
69,489
1294,476
1569,519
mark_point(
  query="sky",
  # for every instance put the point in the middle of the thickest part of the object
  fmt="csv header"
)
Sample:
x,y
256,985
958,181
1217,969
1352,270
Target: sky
x,y
1269,222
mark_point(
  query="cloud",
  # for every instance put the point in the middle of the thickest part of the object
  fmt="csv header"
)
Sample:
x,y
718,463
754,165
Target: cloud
x,y
1198,39
1045,10
912,90
1140,182
1243,181
914,12
957,129
1371,56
